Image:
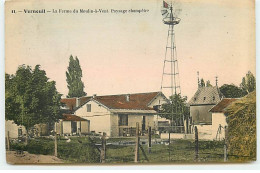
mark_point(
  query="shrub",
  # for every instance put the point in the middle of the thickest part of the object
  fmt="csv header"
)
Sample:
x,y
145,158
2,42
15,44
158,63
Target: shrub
x,y
39,146
18,146
83,152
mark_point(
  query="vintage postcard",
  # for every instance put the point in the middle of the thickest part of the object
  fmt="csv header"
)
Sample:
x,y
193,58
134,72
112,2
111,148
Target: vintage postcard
x,y
130,82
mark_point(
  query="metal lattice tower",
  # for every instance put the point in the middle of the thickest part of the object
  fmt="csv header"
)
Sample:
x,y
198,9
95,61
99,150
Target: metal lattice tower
x,y
170,83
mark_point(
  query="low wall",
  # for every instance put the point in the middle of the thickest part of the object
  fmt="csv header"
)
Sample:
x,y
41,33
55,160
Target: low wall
x,y
202,136
177,136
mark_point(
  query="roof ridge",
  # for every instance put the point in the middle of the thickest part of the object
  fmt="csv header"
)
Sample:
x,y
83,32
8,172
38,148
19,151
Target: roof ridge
x,y
129,93
114,95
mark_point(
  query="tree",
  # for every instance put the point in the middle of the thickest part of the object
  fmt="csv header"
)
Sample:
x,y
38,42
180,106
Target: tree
x,y
176,105
202,83
248,83
241,119
232,91
74,75
208,84
30,98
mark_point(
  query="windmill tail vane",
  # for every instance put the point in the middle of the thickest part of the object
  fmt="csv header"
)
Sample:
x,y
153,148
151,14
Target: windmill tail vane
x,y
165,5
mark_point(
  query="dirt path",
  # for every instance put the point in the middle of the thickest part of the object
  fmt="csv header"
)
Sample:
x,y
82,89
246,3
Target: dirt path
x,y
26,158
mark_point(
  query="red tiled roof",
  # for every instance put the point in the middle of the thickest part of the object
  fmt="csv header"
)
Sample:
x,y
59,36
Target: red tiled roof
x,y
71,102
71,117
222,104
136,101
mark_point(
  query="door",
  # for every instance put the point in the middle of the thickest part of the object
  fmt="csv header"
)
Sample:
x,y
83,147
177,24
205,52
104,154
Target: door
x,y
73,127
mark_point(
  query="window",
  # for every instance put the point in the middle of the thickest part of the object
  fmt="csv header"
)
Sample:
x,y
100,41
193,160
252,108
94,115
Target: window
x,y
213,98
122,120
204,98
88,107
195,99
156,107
20,131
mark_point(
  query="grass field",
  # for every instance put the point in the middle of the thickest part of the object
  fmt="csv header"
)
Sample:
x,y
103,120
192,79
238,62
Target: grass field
x,y
82,150
179,151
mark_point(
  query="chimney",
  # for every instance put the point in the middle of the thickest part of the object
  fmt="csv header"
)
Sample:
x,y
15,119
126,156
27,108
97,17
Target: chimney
x,y
94,96
77,102
127,97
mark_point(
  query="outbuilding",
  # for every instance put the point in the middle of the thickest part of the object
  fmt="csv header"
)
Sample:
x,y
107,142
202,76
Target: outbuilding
x,y
71,124
219,122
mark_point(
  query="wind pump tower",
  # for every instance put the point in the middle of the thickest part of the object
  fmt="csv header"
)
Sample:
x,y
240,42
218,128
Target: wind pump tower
x,y
170,83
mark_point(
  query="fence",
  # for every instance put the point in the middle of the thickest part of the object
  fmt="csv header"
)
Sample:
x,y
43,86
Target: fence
x,y
90,149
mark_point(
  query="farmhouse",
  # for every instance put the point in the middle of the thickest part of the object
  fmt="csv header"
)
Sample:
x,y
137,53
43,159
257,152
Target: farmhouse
x,y
200,104
117,115
219,122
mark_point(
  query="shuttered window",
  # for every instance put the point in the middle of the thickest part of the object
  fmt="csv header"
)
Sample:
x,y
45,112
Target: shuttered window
x,y
122,120
88,107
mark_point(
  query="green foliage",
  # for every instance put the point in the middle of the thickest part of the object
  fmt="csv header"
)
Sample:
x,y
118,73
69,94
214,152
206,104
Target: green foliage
x,y
30,98
208,84
210,144
18,146
248,83
39,146
75,152
178,106
181,151
202,82
241,119
231,91
74,75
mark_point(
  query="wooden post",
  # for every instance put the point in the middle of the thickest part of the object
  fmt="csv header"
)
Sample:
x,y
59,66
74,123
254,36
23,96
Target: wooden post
x,y
196,144
8,141
103,149
169,148
137,144
149,139
169,137
225,152
55,145
79,130
225,145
